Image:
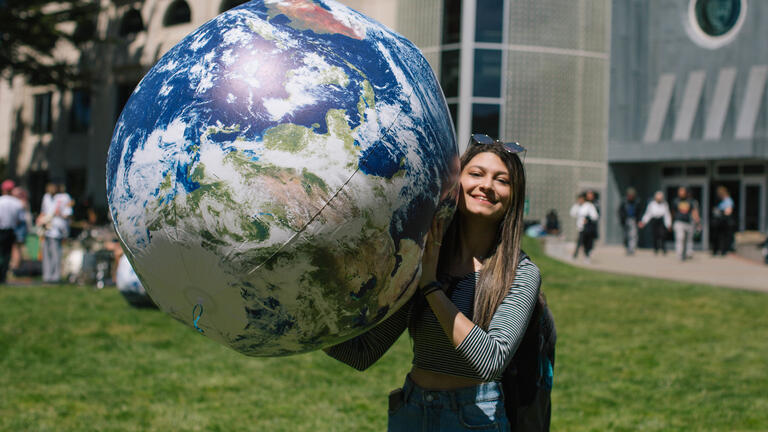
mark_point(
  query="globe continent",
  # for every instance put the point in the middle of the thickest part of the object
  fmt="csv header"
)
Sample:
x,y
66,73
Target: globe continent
x,y
273,177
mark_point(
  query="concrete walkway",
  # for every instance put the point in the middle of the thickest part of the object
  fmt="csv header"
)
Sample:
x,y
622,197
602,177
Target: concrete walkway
x,y
731,271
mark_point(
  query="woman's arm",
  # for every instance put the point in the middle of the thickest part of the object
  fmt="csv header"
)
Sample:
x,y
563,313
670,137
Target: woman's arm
x,y
364,350
489,352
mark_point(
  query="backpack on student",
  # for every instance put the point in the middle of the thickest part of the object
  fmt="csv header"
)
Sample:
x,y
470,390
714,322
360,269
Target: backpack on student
x,y
527,381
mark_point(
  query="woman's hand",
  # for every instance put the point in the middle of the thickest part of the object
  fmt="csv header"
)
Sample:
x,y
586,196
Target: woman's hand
x,y
431,252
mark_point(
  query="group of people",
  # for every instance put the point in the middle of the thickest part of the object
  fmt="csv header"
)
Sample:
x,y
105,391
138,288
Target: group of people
x,y
683,218
52,227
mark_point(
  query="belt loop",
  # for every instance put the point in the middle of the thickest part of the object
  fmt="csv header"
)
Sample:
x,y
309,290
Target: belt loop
x,y
408,388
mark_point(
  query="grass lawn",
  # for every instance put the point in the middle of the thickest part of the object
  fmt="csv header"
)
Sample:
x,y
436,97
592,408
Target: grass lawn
x,y
633,354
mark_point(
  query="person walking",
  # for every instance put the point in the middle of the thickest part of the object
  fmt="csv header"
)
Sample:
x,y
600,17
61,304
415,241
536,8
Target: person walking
x,y
723,223
476,295
55,212
18,250
586,217
658,215
11,216
629,215
685,221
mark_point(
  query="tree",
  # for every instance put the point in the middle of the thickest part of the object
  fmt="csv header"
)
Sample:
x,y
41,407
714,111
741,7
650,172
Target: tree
x,y
30,31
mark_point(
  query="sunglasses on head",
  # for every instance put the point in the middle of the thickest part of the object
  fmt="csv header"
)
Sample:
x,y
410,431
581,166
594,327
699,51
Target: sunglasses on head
x,y
485,140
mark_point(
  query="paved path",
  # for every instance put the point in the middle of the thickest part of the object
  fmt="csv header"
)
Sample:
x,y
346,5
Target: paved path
x,y
731,271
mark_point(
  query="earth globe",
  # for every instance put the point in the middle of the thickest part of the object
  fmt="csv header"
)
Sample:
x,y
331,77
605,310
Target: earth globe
x,y
273,177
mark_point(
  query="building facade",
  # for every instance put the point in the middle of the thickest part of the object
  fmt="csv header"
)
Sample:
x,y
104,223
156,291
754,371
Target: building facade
x,y
527,70
689,105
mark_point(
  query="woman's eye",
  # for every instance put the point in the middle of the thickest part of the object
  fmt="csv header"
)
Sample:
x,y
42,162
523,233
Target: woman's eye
x,y
503,181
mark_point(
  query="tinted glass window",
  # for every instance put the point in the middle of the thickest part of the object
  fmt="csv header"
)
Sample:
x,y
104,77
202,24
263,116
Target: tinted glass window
x,y
42,120
716,17
728,169
229,4
489,20
454,109
131,23
451,21
672,171
487,80
485,119
754,169
178,13
80,113
449,72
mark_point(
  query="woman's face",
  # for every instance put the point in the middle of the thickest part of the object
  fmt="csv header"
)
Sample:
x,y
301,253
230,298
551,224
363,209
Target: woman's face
x,y
486,188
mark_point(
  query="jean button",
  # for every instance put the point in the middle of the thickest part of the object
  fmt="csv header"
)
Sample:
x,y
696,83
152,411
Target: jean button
x,y
430,398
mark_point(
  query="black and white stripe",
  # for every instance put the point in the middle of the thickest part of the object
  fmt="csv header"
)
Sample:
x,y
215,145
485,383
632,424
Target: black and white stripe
x,y
482,355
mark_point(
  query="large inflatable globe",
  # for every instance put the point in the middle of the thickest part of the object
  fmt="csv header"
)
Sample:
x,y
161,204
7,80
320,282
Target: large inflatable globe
x,y
274,175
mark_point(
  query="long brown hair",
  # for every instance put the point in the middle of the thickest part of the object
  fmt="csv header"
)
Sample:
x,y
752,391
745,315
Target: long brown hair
x,y
500,265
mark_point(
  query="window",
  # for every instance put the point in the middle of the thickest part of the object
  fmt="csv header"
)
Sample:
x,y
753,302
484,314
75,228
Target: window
x,y
451,21
80,111
487,79
489,21
124,92
485,119
178,13
696,170
454,110
131,23
229,4
754,169
85,30
672,171
728,169
42,121
449,72
717,17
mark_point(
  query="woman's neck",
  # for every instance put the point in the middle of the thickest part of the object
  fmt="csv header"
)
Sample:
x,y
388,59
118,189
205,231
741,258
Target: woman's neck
x,y
476,239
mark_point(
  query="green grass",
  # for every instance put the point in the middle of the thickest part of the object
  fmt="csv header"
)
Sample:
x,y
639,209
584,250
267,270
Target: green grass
x,y
633,354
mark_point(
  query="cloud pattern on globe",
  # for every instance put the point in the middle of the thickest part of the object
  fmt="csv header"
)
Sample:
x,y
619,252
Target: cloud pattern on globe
x,y
273,176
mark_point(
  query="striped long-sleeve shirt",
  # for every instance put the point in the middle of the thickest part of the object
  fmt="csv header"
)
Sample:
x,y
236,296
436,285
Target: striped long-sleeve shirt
x,y
482,355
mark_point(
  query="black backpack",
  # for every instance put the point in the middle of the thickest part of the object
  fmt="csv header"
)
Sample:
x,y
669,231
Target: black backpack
x,y
527,381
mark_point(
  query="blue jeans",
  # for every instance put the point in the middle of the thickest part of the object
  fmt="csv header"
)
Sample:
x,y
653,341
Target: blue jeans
x,y
477,408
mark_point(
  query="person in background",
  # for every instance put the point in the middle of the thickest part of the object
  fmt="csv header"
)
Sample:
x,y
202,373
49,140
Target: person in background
x,y
658,215
685,220
55,212
590,196
629,215
723,223
552,223
586,217
11,216
17,253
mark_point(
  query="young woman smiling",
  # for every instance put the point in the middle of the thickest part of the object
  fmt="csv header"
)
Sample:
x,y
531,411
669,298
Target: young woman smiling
x,y
476,295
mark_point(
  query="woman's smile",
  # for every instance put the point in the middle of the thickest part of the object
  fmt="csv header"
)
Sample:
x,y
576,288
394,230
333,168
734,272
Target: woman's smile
x,y
486,189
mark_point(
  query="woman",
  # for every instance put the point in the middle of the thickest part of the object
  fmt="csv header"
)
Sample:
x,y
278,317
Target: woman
x,y
476,294
585,213
660,218
723,223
